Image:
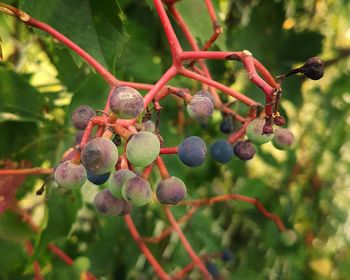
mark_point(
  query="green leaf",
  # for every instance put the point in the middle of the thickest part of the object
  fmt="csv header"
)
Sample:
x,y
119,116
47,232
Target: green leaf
x,y
93,25
18,99
196,16
13,228
62,210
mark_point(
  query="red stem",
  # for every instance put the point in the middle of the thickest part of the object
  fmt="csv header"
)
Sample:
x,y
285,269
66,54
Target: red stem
x,y
192,75
59,253
144,249
74,47
169,150
208,201
195,258
162,168
26,171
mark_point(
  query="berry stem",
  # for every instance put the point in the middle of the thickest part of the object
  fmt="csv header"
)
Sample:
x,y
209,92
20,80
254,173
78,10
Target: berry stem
x,y
144,249
59,253
208,201
186,244
26,171
169,150
162,168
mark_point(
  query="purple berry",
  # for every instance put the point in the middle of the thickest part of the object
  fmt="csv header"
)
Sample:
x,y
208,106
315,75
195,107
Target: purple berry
x,y
70,175
283,139
221,151
126,102
244,150
105,203
171,190
118,180
137,191
82,115
99,155
200,108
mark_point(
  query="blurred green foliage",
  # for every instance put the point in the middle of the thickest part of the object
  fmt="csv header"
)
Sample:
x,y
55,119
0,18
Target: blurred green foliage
x,y
41,82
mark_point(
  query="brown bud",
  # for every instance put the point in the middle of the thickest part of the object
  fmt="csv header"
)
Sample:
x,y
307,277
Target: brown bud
x,y
279,120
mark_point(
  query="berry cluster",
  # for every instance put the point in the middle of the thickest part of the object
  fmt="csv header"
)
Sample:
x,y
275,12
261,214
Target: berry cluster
x,y
100,163
125,124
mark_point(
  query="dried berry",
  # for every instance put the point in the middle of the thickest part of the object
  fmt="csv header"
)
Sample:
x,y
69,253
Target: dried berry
x,y
279,120
244,150
313,68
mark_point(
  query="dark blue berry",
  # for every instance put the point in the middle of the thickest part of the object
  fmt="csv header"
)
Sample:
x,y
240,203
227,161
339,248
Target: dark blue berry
x,y
221,151
192,151
227,125
97,179
213,269
227,255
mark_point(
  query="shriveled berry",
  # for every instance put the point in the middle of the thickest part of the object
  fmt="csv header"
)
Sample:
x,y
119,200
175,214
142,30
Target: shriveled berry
x,y
279,121
283,138
244,150
82,115
267,129
313,68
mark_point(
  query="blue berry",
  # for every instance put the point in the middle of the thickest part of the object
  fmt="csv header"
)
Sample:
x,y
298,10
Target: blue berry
x,y
227,255
97,179
192,151
221,151
213,269
227,125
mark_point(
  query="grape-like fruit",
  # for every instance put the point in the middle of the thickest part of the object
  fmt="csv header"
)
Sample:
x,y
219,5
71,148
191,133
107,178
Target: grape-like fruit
x,y
313,68
148,126
142,148
118,180
126,102
200,108
126,209
98,179
289,237
227,255
117,140
171,190
279,121
255,132
244,150
137,191
105,203
283,138
192,151
99,155
213,269
206,94
82,115
227,124
221,151
69,175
